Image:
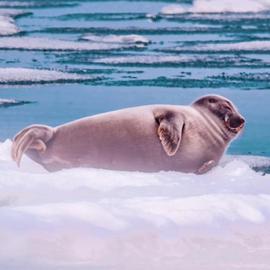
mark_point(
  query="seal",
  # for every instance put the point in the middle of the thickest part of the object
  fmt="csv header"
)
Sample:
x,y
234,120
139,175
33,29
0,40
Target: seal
x,y
148,138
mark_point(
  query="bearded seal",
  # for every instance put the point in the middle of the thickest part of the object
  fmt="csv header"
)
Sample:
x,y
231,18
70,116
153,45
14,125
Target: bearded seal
x,y
150,138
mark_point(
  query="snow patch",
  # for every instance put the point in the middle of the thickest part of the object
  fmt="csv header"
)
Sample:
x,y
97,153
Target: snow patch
x,y
83,218
260,45
12,102
27,75
7,21
7,26
144,59
218,6
126,39
34,43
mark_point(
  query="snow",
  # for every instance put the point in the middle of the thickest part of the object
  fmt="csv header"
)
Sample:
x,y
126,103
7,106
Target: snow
x,y
7,22
128,39
94,218
27,75
36,43
7,25
145,59
218,6
258,46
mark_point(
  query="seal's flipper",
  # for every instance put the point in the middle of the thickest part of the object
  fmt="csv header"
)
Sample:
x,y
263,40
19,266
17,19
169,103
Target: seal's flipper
x,y
206,167
33,137
170,127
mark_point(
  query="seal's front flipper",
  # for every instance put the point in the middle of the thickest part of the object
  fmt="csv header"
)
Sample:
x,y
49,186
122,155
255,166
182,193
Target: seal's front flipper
x,y
207,166
33,137
170,128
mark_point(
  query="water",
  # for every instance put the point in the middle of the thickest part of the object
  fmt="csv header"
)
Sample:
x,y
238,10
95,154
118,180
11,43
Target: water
x,y
62,60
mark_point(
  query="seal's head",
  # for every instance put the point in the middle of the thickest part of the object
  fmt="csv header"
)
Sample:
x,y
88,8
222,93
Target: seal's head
x,y
224,110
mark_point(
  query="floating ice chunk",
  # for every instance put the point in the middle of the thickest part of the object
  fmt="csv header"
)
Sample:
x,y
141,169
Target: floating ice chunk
x,y
31,43
7,26
260,45
144,59
16,3
126,39
218,6
239,46
27,75
7,22
174,9
12,12
12,102
163,60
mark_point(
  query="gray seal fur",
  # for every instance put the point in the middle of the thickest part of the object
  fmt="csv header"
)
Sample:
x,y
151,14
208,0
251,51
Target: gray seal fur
x,y
149,138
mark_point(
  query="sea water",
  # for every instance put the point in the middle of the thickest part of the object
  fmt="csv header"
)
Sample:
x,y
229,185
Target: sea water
x,y
62,60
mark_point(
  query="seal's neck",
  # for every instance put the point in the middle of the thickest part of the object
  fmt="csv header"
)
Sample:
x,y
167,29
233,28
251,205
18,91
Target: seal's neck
x,y
215,125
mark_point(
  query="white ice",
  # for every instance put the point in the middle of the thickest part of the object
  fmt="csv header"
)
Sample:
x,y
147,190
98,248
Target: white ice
x,y
218,6
20,75
7,26
36,43
5,102
127,39
100,219
145,59
7,22
260,45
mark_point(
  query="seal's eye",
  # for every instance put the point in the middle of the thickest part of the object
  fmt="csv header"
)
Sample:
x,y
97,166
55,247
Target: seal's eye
x,y
212,100
228,109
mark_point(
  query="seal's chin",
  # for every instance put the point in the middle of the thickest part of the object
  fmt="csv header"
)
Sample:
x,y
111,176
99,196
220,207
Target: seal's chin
x,y
234,124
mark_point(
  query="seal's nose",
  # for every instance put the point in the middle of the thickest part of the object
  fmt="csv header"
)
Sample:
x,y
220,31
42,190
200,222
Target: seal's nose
x,y
242,121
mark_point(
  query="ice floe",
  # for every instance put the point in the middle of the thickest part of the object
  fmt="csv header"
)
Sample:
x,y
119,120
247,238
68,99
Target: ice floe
x,y
143,59
248,46
7,21
126,39
12,102
27,75
83,218
36,43
218,6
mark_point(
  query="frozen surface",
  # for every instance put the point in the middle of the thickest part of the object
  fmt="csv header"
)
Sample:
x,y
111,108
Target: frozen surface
x,y
12,102
145,59
128,39
35,43
7,22
7,26
27,75
218,6
262,45
93,219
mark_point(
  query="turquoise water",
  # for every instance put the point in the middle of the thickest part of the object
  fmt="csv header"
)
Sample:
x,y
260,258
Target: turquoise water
x,y
180,58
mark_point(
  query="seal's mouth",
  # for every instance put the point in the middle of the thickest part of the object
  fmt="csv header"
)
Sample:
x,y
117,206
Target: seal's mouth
x,y
234,123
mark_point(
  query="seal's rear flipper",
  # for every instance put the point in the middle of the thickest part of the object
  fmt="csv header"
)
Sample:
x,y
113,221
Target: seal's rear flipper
x,y
33,137
206,167
170,128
